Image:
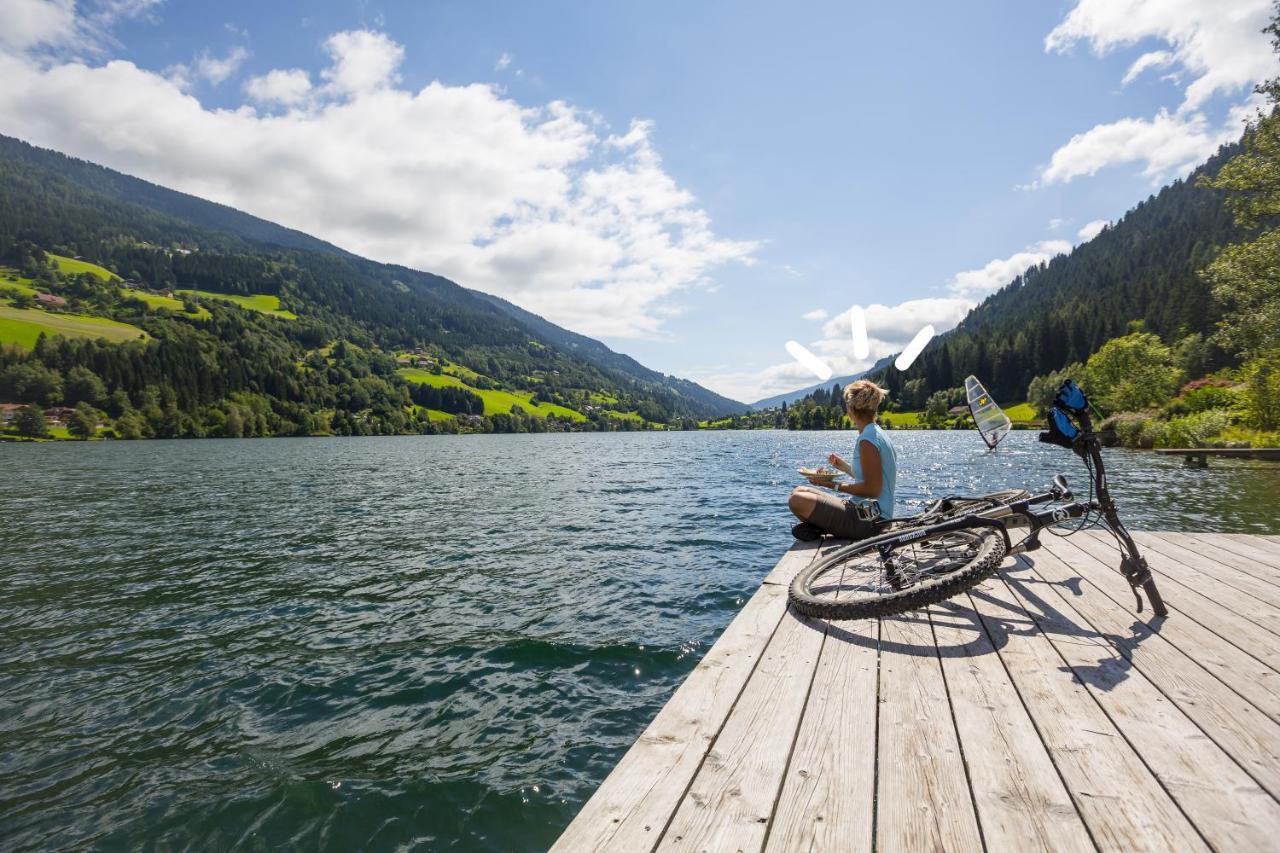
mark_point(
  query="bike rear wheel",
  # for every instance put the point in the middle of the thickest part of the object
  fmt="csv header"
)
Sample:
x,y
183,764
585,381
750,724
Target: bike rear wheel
x,y
857,582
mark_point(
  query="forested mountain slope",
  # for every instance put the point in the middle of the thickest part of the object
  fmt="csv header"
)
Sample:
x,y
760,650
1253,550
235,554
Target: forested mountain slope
x,y
160,241
1145,267
601,356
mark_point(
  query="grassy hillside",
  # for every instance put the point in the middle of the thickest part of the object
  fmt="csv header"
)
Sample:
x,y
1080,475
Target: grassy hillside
x,y
12,284
495,402
71,266
163,241
263,303
22,326
157,300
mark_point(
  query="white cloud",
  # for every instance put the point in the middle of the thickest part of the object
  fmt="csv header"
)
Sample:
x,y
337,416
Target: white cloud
x,y
55,24
217,69
1057,222
1154,59
363,61
540,204
280,86
1214,48
1000,271
504,61
214,69
33,23
1167,145
1218,44
107,12
889,328
1091,230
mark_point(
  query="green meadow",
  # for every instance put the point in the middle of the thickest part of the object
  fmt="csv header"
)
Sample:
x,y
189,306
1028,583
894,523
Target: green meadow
x,y
156,300
433,415
1022,415
495,402
263,303
12,287
22,326
70,266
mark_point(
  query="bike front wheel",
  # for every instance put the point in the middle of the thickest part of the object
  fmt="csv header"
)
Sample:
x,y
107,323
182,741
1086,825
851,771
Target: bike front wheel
x,y
859,582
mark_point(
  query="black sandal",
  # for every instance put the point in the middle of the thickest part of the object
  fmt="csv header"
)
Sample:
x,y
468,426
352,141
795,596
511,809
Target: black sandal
x,y
806,532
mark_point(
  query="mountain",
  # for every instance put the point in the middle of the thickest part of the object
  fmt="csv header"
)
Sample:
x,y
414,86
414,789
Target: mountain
x,y
1143,268
132,200
158,240
792,396
601,356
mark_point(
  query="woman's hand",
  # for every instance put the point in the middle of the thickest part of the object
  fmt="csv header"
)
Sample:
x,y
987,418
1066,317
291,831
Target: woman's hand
x,y
837,462
824,483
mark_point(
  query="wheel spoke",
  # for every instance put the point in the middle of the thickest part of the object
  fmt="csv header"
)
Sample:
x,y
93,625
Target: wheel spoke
x,y
864,574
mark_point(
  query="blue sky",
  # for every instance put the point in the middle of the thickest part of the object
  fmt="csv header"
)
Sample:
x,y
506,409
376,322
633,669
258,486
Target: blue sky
x,y
686,181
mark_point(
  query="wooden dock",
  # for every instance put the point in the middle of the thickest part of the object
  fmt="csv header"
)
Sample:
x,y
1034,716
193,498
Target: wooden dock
x,y
1198,457
1036,712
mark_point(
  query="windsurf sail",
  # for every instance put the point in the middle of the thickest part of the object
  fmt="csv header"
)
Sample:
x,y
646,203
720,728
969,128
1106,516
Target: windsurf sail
x,y
993,423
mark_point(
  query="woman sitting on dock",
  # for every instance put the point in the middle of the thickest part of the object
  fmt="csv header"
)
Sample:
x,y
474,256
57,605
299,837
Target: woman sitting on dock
x,y
874,472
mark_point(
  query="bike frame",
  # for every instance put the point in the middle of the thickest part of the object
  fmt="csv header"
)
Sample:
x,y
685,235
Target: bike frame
x,y
1133,566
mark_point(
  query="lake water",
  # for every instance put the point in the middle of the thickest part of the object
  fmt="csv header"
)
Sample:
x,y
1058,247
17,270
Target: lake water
x,y
429,642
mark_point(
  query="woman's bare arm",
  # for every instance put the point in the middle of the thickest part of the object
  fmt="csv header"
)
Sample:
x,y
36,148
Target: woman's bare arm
x,y
872,481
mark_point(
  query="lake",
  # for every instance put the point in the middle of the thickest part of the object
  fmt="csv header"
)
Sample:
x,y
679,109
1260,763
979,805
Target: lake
x,y
438,642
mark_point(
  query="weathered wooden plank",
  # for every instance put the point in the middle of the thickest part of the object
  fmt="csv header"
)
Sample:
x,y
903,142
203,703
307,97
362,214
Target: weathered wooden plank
x,y
1228,588
828,796
1242,550
731,799
1022,802
1208,564
797,557
1231,810
1122,803
923,801
1242,593
1262,540
1196,597
1243,731
630,808
1228,567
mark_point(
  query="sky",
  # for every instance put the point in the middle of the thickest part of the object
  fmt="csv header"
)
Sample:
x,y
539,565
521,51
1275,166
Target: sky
x,y
695,184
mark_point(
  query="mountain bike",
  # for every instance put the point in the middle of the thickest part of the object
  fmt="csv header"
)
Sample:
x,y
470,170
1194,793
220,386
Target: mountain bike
x,y
930,558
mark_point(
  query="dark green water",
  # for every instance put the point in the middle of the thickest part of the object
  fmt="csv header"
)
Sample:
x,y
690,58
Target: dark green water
x,y
430,643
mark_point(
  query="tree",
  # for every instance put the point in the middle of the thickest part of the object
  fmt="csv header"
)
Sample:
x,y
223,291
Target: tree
x,y
1132,372
31,383
1043,389
131,426
935,409
1245,278
84,386
1262,393
31,423
651,411
84,421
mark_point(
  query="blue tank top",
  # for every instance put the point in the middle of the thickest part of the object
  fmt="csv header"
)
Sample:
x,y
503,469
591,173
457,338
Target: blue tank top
x,y
888,464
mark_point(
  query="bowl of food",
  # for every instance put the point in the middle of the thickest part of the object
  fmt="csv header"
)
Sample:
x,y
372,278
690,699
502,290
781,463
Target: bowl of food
x,y
824,473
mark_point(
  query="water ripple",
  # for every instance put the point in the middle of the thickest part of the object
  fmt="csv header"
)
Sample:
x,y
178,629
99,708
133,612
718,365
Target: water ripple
x,y
432,643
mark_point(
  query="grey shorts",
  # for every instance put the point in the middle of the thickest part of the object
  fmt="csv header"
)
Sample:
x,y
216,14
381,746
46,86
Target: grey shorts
x,y
841,518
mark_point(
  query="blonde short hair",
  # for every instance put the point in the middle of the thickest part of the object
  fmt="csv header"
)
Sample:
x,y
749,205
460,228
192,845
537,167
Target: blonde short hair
x,y
864,397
